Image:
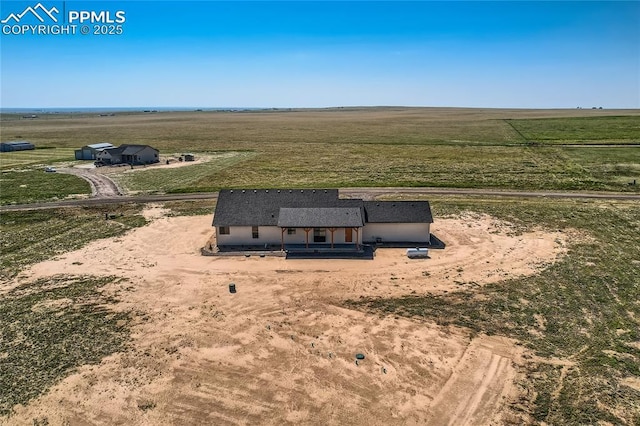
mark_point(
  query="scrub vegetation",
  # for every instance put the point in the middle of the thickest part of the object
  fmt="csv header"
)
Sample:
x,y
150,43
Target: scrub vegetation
x,y
52,326
34,185
33,158
580,316
27,237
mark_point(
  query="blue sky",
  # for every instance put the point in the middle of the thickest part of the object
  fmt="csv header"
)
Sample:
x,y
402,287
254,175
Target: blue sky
x,y
331,53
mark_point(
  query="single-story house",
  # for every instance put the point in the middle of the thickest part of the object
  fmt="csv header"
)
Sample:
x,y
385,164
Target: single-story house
x,y
90,152
16,146
129,154
308,218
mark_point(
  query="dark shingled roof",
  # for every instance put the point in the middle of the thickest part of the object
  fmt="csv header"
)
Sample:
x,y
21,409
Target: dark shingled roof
x,y
320,217
127,149
397,212
263,207
260,207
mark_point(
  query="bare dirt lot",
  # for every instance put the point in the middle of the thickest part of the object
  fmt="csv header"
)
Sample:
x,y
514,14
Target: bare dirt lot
x,y
282,349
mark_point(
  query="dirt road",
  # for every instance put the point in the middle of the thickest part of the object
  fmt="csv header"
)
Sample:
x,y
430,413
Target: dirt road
x,y
365,193
101,186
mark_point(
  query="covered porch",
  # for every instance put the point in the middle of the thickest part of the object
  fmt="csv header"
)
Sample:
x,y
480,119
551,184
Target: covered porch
x,y
321,238
338,228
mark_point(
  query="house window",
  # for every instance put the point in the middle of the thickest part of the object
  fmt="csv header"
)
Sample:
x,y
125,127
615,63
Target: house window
x,y
319,235
291,231
223,230
254,232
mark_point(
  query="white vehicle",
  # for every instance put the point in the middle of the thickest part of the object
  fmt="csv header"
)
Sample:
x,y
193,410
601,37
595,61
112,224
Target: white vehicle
x,y
50,169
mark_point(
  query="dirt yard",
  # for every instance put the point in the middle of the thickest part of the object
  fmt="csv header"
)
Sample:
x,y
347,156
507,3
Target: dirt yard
x,y
281,349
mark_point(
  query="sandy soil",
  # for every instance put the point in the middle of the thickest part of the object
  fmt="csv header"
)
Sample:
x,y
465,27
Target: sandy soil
x,y
173,163
281,349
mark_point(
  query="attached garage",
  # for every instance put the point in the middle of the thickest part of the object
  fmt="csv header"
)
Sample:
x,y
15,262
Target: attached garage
x,y
397,222
396,232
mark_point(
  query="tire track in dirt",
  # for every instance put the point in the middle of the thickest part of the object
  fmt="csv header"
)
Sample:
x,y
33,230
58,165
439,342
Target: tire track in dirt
x,y
101,186
482,377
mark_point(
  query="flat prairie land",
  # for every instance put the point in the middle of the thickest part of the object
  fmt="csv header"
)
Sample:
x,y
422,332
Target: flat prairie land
x,y
441,147
529,315
34,158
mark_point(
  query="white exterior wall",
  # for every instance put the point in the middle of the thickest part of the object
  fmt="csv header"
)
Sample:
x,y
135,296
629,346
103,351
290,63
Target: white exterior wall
x,y
242,235
396,232
338,237
105,156
148,155
298,238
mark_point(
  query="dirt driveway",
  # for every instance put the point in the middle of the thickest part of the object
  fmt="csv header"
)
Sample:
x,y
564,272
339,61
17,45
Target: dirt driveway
x,y
101,186
282,349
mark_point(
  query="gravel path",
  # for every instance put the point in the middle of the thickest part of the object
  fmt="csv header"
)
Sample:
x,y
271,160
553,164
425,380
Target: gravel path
x,y
101,186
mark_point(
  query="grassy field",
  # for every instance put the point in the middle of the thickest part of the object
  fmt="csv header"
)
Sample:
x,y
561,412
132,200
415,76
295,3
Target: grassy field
x,y
23,180
581,315
53,325
36,157
182,179
34,236
190,208
33,185
49,328
588,130
442,147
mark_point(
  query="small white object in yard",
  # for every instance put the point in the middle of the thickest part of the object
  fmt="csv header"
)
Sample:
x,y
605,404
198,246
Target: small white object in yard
x,y
50,169
418,253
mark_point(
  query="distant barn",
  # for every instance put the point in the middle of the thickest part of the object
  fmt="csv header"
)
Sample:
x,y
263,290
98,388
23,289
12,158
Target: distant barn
x,y
90,152
16,146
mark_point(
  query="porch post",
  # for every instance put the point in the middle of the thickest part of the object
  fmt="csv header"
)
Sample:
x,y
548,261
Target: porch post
x,y
282,237
306,236
357,239
332,230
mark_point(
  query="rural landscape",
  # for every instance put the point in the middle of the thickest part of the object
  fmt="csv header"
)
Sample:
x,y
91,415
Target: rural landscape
x,y
530,314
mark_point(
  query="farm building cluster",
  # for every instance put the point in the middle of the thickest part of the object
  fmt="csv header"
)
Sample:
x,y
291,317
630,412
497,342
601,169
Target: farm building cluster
x,y
316,220
105,153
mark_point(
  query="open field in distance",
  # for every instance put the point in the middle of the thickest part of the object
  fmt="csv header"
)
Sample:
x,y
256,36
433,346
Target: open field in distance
x,y
587,130
35,158
441,147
